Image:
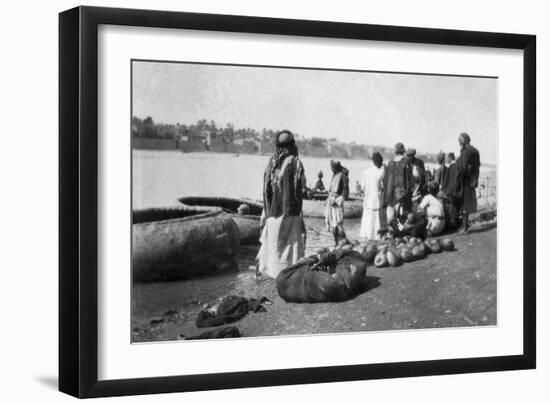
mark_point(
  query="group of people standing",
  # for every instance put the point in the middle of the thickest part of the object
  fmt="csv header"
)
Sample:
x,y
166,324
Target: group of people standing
x,y
399,197
403,197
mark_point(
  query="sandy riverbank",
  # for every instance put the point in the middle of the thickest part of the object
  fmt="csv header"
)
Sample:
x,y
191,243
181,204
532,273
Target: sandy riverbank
x,y
445,290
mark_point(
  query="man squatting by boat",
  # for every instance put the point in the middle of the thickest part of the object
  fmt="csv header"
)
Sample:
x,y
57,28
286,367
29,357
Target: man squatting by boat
x,y
398,199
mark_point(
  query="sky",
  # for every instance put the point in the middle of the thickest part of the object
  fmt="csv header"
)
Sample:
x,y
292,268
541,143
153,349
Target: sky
x,y
426,112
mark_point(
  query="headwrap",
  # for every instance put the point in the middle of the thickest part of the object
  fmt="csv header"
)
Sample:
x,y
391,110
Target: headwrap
x,y
336,164
399,148
285,146
465,138
377,159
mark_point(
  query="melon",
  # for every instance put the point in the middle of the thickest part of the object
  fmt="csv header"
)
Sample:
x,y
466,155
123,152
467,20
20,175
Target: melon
x,y
434,246
447,244
418,252
406,254
427,248
369,253
381,260
393,258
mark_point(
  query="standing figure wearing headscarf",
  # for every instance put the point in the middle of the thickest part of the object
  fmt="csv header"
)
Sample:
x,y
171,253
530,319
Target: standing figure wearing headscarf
x,y
397,177
337,193
468,164
283,234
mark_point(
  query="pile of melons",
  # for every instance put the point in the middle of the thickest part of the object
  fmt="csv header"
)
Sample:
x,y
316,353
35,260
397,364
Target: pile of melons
x,y
394,251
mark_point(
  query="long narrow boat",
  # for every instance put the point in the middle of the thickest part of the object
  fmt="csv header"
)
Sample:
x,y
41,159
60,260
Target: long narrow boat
x,y
315,206
248,224
181,242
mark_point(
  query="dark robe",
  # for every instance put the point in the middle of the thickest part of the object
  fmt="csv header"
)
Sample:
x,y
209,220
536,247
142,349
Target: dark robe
x,y
469,163
283,194
439,175
398,174
452,182
421,181
339,185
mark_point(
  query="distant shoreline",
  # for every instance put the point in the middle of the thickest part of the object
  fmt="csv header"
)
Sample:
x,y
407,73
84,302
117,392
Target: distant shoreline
x,y
491,166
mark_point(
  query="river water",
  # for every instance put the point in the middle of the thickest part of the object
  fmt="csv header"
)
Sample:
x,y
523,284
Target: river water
x,y
160,177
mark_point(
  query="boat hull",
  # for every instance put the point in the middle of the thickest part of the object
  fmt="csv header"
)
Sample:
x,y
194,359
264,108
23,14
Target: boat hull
x,y
180,243
353,208
248,224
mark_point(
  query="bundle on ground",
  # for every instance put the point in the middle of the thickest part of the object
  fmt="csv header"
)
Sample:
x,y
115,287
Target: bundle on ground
x,y
324,277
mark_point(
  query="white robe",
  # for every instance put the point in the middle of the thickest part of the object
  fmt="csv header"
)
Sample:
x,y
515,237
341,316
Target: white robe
x,y
283,244
373,219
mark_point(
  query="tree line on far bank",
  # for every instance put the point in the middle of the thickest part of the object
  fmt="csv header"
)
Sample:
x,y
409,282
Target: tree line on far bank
x,y
315,146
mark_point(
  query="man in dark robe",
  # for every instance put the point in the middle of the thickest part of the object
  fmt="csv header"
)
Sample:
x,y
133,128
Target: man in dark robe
x,y
398,175
468,164
451,192
440,172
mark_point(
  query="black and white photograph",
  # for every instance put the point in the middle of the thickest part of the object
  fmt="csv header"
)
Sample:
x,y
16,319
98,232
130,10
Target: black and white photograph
x,y
278,201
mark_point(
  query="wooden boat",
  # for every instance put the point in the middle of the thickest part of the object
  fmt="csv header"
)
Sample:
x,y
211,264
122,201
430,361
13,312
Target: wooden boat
x,y
248,224
315,205
181,242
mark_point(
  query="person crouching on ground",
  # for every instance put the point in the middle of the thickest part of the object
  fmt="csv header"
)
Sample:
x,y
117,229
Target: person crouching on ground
x,y
434,211
334,210
405,222
283,230
371,186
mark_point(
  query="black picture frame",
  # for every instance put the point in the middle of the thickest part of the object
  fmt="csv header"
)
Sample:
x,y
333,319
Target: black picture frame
x,y
78,200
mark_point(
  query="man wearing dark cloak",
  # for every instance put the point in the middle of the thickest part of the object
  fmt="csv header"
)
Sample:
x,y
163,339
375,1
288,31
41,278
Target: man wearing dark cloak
x,y
398,175
440,172
468,164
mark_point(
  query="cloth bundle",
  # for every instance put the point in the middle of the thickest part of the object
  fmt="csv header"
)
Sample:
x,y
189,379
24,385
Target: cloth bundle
x,y
222,332
231,309
324,277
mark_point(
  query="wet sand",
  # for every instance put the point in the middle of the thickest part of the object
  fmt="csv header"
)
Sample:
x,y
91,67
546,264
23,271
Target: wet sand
x,y
450,289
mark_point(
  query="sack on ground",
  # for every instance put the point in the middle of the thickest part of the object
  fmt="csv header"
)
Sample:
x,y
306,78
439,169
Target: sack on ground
x,y
324,277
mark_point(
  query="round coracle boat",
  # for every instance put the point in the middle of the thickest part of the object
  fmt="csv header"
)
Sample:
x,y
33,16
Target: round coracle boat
x,y
180,242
